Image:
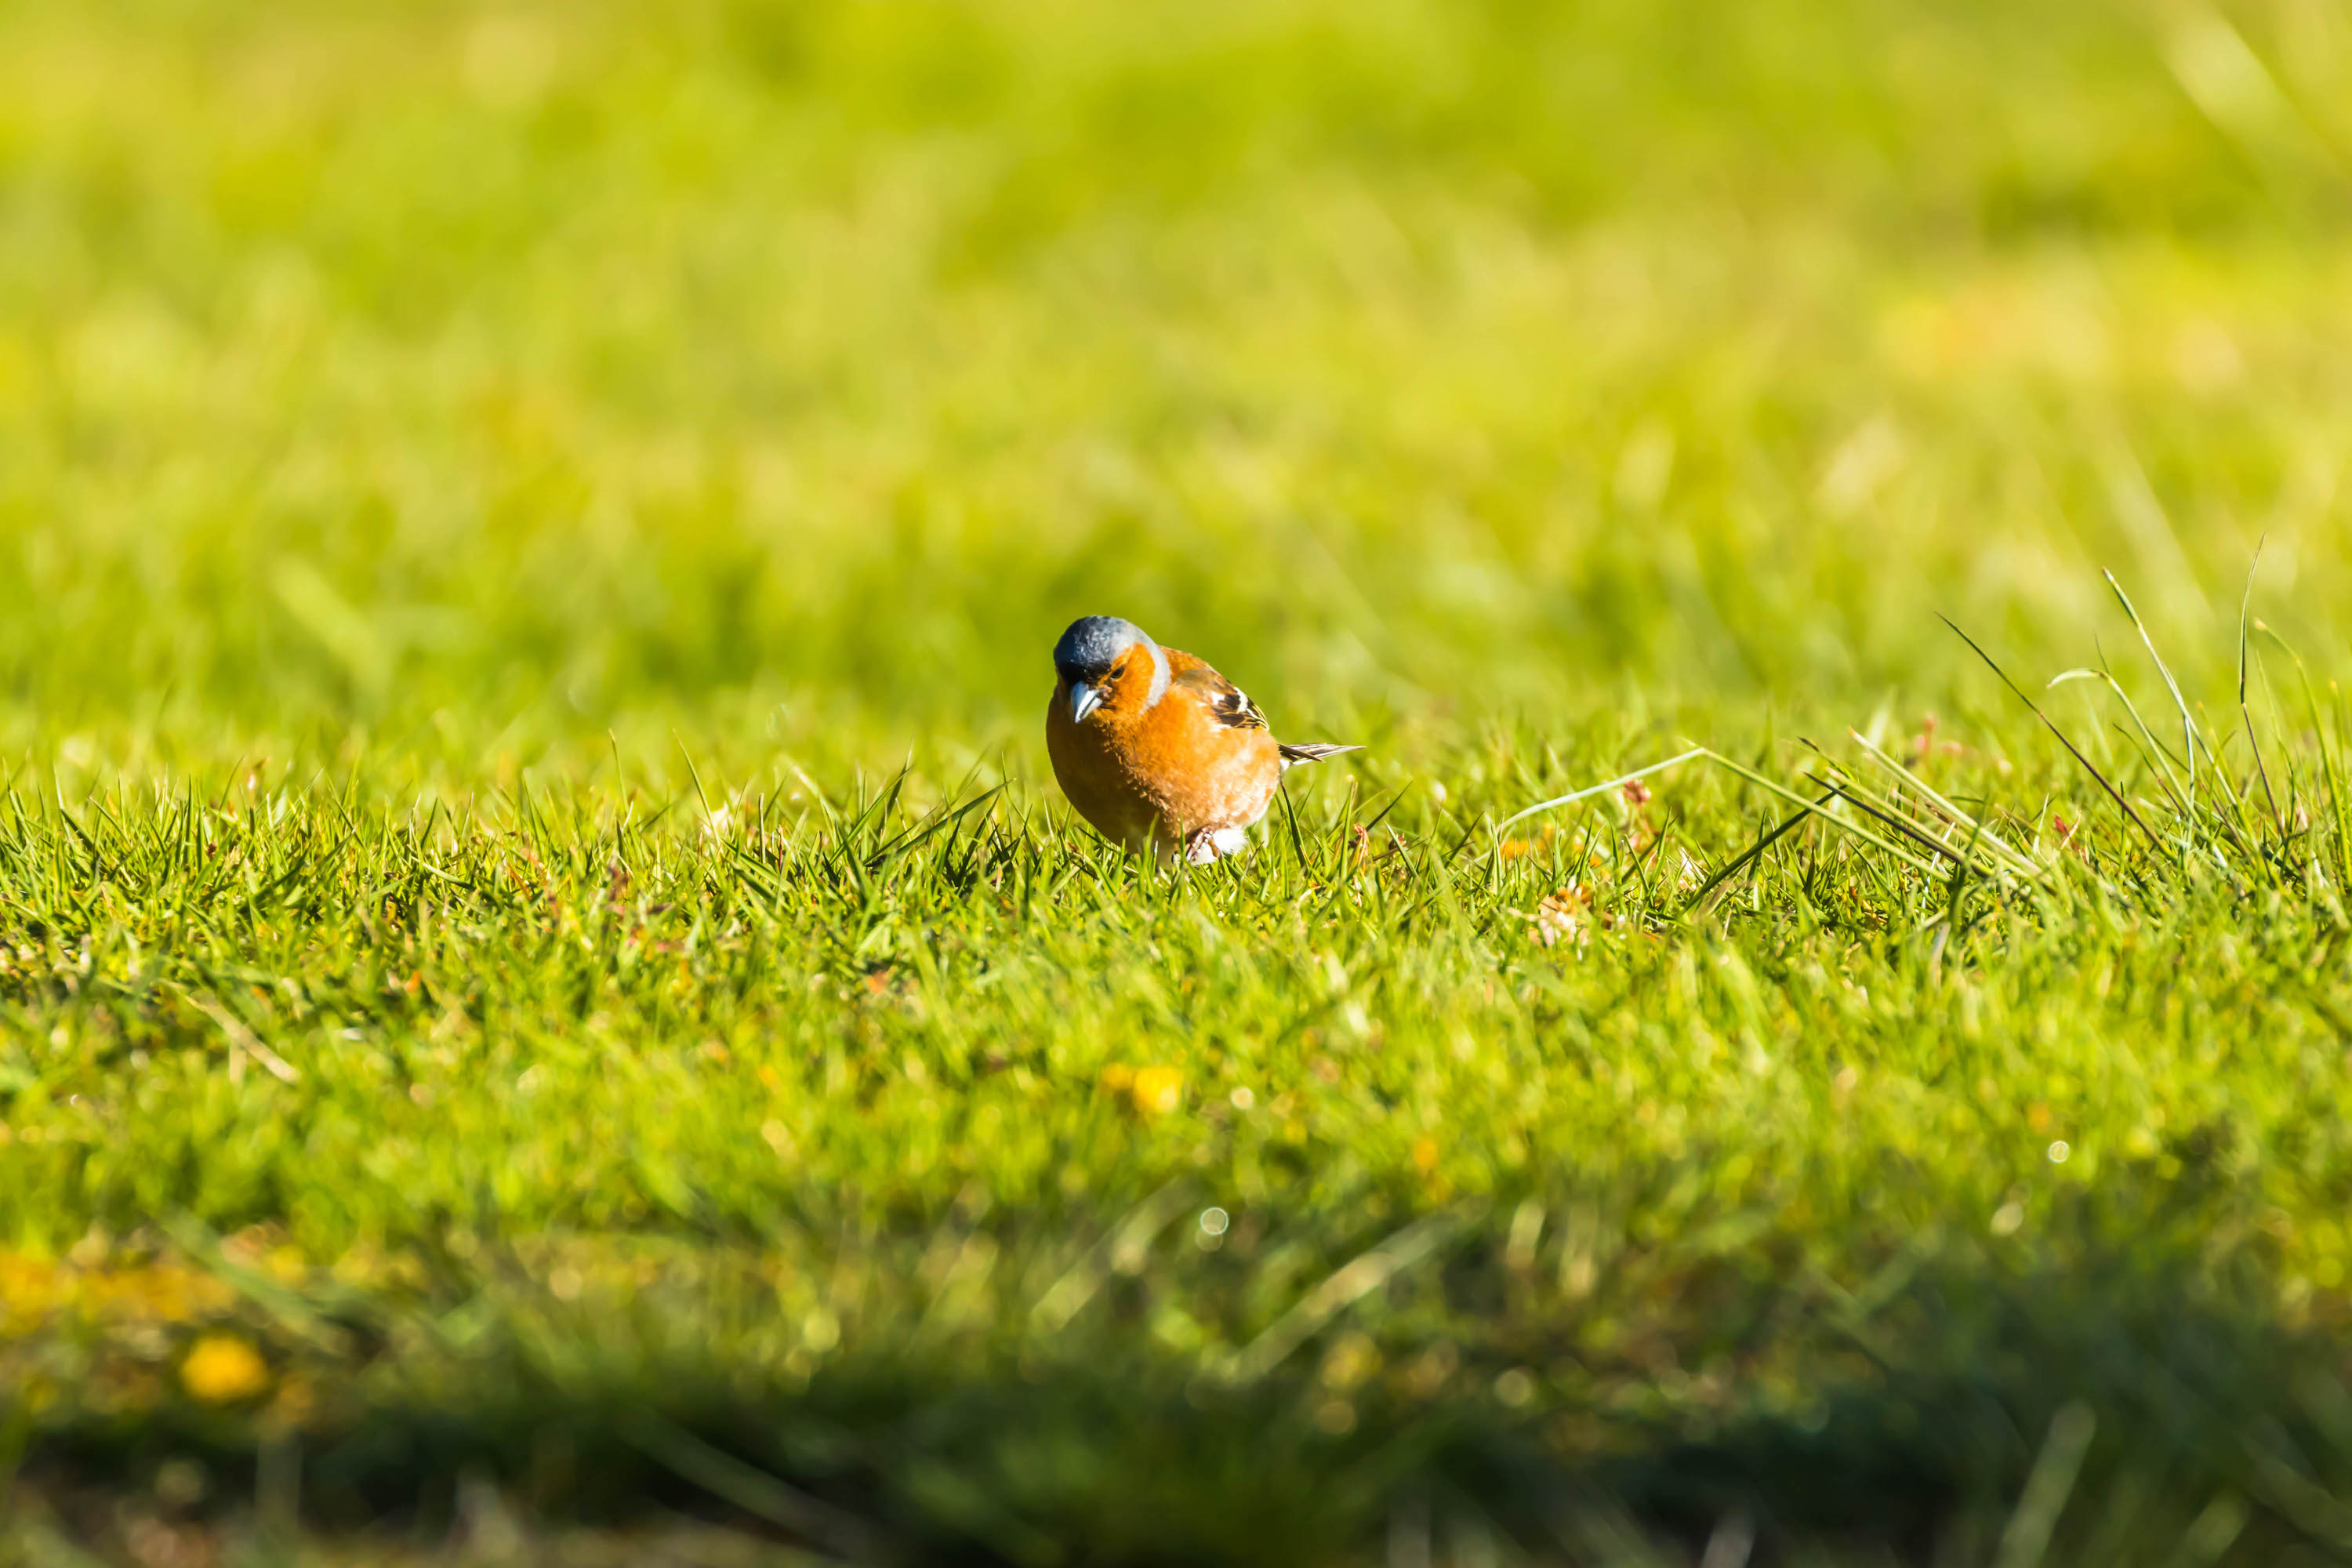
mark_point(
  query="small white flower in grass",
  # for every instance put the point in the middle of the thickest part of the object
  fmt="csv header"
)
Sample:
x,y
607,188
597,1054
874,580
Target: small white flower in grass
x,y
2058,1153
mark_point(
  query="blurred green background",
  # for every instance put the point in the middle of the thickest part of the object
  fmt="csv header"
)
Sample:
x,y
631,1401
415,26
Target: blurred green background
x,y
492,378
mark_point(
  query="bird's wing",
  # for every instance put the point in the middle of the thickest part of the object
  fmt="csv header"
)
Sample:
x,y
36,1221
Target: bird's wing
x,y
1226,702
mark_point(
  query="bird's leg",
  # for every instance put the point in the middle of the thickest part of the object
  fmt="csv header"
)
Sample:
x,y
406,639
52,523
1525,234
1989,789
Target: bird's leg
x,y
1201,847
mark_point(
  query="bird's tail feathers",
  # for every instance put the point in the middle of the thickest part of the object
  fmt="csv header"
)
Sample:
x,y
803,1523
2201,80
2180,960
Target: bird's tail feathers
x,y
1313,751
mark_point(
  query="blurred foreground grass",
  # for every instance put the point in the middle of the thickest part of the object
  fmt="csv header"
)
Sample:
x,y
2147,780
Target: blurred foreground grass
x,y
489,498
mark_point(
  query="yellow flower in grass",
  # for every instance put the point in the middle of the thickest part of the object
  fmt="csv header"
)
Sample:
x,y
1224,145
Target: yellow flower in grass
x,y
1154,1091
1157,1090
223,1369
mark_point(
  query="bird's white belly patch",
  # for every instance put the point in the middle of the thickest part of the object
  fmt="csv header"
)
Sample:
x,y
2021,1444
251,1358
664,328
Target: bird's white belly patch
x,y
1216,846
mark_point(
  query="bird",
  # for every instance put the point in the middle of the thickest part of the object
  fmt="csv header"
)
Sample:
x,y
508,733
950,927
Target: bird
x,y
1156,750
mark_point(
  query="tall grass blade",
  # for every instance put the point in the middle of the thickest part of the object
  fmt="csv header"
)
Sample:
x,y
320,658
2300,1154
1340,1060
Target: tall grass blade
x,y
2253,741
2076,752
2188,724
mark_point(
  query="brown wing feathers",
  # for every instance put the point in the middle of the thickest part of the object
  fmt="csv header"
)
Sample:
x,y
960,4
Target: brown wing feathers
x,y
1229,703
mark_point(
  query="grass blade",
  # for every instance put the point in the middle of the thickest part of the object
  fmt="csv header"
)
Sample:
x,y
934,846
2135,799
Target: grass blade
x,y
2072,750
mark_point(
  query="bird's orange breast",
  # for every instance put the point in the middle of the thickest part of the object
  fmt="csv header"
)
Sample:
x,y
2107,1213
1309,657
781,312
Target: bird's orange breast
x,y
1160,773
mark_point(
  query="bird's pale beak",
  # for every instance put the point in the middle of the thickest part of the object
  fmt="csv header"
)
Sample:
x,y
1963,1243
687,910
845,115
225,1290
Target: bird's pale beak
x,y
1084,699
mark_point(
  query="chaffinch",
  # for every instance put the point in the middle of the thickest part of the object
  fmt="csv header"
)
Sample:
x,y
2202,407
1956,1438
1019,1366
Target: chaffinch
x,y
1156,750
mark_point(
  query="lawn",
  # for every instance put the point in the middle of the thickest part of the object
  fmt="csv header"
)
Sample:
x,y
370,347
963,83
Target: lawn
x,y
550,1009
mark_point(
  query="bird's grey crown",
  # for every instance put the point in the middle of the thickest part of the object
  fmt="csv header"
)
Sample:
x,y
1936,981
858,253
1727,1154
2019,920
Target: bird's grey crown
x,y
1093,645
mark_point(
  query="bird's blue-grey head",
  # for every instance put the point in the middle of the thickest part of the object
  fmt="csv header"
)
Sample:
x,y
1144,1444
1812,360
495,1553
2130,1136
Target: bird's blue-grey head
x,y
1091,649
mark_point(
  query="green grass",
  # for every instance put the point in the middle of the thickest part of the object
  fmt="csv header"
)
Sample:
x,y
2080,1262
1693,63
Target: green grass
x,y
551,1010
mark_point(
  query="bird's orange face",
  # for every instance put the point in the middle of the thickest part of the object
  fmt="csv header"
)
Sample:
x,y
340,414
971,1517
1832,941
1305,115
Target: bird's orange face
x,y
1118,694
